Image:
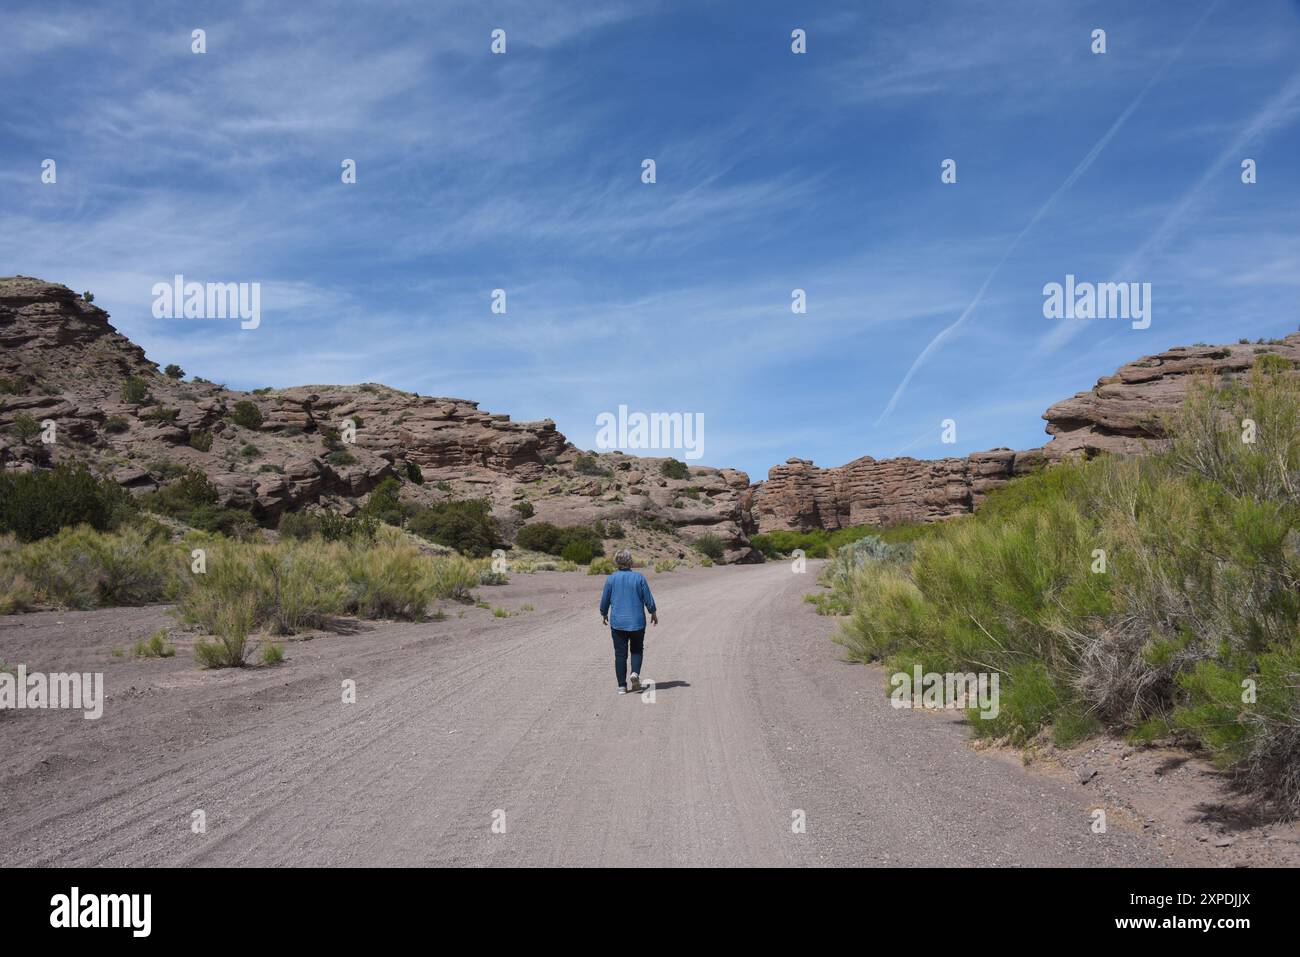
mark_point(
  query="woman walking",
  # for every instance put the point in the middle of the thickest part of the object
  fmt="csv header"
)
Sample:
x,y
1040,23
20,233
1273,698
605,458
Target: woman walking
x,y
623,605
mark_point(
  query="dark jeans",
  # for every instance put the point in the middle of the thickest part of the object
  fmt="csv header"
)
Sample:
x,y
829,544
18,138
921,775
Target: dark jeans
x,y
621,641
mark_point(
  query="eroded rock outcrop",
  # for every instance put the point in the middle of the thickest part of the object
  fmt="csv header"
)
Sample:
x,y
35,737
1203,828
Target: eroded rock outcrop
x,y
62,361
1125,412
867,491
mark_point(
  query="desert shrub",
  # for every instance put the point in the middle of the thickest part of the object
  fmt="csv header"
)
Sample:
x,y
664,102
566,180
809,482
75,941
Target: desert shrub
x,y
414,474
341,457
711,546
525,509
192,499
12,386
389,581
487,576
155,647
201,440
554,539
285,588
579,551
246,414
673,469
651,524
25,427
589,465
666,564
463,524
191,490
16,593
272,653
115,424
452,577
250,451
298,526
135,390
271,467
82,568
34,505
600,566
1197,598
232,522
173,371
383,502
160,414
303,586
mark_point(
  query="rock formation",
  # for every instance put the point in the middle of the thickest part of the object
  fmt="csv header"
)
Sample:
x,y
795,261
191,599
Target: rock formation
x,y
1123,414
62,361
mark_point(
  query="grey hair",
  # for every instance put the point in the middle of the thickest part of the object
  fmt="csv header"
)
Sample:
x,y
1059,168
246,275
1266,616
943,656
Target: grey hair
x,y
623,558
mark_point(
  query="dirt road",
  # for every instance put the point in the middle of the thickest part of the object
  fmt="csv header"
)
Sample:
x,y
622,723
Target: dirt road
x,y
477,720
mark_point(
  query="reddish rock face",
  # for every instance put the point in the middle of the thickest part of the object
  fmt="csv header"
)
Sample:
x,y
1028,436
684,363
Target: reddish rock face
x,y
799,495
1125,412
60,359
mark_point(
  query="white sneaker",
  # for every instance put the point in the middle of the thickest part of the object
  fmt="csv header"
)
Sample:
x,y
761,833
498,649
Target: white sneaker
x,y
634,682
622,690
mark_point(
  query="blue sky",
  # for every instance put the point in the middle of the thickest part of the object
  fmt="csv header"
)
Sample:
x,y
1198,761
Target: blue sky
x,y
775,171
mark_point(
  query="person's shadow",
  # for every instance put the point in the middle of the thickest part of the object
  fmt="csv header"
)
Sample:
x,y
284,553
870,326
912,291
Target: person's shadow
x,y
664,685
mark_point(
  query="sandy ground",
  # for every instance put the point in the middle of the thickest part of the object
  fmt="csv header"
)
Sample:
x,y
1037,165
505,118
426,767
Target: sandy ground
x,y
755,724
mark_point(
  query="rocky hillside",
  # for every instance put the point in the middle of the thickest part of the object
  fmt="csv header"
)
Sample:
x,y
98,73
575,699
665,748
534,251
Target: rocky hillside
x,y
61,361
1121,414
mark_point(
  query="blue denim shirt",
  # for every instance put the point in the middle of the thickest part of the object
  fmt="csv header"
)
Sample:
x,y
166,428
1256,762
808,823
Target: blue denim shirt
x,y
629,594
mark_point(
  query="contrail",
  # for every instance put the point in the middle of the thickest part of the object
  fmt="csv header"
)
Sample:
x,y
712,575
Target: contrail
x,y
1070,180
1258,125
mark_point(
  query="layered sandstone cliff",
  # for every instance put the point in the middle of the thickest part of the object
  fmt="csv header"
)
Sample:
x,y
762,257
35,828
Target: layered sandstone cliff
x,y
62,362
1124,413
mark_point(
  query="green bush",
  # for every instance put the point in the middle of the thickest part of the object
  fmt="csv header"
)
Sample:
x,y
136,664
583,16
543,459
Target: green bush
x,y
34,505
1197,599
25,427
135,390
525,509
589,465
173,371
115,424
414,474
383,503
201,441
600,566
192,499
247,415
554,539
463,524
341,457
673,469
711,546
578,551
83,568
